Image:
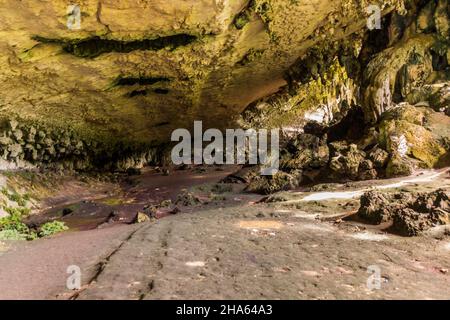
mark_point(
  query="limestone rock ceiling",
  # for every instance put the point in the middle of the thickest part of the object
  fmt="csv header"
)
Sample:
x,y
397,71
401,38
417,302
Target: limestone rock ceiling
x,y
138,69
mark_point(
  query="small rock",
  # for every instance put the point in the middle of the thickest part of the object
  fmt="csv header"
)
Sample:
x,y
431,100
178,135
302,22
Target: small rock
x,y
186,199
141,218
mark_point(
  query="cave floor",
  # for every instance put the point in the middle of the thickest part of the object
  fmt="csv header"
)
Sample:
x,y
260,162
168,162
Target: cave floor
x,y
235,247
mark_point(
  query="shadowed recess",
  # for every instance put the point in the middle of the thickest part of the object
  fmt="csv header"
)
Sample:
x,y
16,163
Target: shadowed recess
x,y
141,81
96,46
145,92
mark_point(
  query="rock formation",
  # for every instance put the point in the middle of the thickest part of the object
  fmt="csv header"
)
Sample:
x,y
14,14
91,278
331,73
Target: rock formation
x,y
133,71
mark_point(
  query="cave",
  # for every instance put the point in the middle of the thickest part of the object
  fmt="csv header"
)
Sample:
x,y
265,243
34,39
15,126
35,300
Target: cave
x,y
225,150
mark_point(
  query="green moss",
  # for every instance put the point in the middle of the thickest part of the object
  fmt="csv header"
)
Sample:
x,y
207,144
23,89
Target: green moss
x,y
288,108
398,167
408,122
13,235
241,20
20,211
21,200
112,201
51,228
13,222
264,9
221,188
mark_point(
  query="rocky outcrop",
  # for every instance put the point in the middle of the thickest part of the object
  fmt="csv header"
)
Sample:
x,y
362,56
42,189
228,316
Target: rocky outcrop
x,y
410,214
124,83
131,68
369,99
29,144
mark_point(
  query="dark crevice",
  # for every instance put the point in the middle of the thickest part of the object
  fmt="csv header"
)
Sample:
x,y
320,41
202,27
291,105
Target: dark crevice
x,y
375,41
96,46
141,81
350,128
439,57
136,93
161,124
145,92
150,287
161,91
244,17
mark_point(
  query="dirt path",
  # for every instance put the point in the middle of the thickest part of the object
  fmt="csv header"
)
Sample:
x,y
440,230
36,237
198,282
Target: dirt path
x,y
38,269
234,248
254,253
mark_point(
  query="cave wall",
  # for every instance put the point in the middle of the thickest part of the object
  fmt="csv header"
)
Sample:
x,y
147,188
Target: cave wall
x,y
137,70
374,104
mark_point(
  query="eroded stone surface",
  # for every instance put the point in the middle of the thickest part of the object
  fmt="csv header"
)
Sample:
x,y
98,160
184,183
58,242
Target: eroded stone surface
x,y
47,75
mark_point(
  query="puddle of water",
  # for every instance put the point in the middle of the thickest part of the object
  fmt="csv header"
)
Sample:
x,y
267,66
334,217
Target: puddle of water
x,y
370,236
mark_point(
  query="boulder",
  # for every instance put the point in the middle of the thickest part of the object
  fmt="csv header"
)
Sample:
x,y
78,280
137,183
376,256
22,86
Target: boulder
x,y
186,198
375,207
398,167
281,181
411,214
403,135
141,218
346,160
306,151
408,222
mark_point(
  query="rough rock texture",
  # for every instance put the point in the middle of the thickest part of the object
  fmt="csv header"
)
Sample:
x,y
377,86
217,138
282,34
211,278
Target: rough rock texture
x,y
402,133
28,144
377,100
136,70
410,214
134,67
281,181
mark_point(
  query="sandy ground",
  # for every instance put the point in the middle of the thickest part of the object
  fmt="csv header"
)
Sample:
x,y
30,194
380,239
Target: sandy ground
x,y
235,248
